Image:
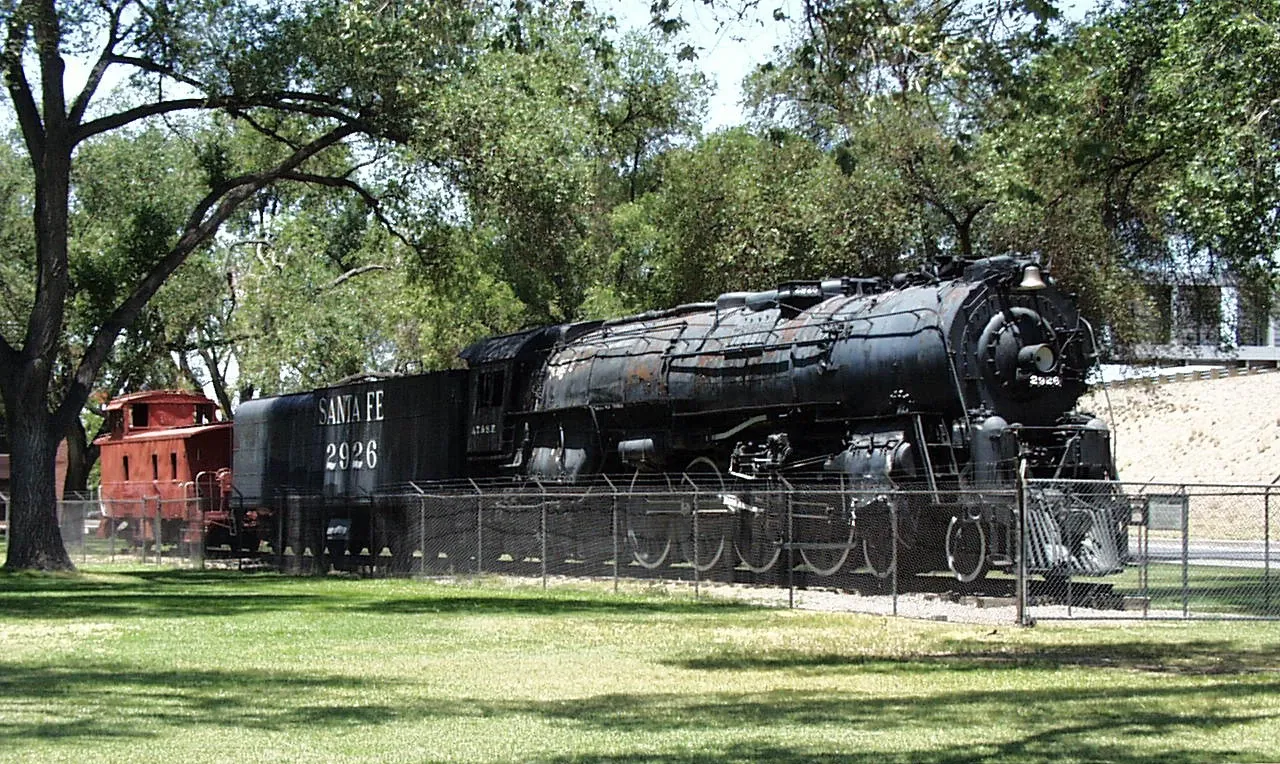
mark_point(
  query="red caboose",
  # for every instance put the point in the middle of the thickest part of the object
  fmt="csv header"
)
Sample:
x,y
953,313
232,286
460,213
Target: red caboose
x,y
167,457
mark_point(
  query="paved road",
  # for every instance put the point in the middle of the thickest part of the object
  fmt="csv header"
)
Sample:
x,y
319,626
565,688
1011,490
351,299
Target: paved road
x,y
1220,553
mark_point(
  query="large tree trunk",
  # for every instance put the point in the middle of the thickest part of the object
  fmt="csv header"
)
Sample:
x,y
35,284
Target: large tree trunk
x,y
81,454
34,539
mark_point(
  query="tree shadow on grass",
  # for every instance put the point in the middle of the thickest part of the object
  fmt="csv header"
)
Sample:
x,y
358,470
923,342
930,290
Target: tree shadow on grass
x,y
1115,721
184,594
1106,723
179,699
1207,657
550,605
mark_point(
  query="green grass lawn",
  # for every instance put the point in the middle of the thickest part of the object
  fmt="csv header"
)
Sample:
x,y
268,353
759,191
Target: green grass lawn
x,y
133,664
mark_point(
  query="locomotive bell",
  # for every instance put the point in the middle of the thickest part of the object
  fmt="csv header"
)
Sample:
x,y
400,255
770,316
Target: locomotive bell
x,y
1032,279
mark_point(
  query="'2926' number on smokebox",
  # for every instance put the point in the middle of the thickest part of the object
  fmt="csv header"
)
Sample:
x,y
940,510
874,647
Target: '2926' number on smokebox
x,y
356,455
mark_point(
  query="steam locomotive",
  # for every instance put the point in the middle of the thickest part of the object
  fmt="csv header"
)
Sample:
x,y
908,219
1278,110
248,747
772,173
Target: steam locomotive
x,y
907,405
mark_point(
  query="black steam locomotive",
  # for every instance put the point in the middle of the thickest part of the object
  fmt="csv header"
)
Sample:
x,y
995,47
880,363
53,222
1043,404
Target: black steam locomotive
x,y
908,405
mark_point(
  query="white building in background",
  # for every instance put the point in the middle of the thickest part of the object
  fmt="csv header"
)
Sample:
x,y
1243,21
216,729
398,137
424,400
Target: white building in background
x,y
1215,322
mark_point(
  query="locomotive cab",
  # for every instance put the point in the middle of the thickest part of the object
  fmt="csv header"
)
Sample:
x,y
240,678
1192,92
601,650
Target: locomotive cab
x,y
501,372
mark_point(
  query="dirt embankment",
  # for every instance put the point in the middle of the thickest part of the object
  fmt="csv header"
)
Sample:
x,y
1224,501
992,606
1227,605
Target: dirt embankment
x,y
1219,431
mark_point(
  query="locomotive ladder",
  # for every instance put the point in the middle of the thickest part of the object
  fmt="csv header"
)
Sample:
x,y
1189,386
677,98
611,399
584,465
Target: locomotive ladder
x,y
927,446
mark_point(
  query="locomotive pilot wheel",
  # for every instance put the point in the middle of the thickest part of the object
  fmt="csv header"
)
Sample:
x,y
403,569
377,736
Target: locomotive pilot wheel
x,y
967,549
877,520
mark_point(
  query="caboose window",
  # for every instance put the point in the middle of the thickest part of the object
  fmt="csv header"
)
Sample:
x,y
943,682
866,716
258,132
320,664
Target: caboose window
x,y
141,412
126,469
155,466
173,465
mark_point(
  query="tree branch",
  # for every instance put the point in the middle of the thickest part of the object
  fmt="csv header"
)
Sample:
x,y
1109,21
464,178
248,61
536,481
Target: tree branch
x,y
81,103
24,103
287,101
48,39
369,199
210,214
352,274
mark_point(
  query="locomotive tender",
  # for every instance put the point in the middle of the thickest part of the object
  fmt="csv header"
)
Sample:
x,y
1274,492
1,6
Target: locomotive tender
x,y
907,405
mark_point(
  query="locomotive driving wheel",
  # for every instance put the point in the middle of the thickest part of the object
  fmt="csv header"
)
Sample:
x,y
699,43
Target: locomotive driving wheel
x,y
877,523
648,529
710,537
759,540
826,538
967,549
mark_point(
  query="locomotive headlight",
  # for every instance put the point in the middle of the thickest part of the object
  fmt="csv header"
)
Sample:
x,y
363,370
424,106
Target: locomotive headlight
x,y
1039,358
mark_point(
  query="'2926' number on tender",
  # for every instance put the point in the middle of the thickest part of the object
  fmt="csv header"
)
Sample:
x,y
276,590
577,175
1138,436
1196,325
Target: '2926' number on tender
x,y
355,455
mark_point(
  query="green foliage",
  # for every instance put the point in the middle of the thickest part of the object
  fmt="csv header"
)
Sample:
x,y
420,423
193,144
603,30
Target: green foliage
x,y
739,212
305,321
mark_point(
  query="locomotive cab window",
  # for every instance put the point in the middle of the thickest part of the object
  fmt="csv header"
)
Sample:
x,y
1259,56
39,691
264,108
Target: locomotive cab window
x,y
489,389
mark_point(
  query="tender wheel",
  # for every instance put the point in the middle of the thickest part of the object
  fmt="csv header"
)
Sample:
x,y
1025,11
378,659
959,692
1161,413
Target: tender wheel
x,y
967,549
705,475
829,560
650,551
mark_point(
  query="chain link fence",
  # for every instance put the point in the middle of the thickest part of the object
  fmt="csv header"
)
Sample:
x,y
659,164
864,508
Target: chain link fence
x,y
154,531
1192,551
1054,550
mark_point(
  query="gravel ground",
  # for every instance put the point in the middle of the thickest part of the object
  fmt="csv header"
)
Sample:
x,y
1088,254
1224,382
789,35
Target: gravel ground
x,y
922,606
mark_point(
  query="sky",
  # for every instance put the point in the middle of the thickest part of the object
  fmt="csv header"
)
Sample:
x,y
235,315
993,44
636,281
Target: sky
x,y
728,52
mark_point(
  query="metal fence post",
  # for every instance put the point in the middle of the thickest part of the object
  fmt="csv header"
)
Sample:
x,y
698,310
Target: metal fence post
x,y
1186,552
422,533
479,534
893,538
1266,546
84,554
543,532
697,579
159,535
617,552
279,550
791,563
1020,581
140,532
201,529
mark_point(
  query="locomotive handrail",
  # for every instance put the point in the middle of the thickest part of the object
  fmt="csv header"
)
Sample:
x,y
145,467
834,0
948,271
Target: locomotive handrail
x,y
1106,394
